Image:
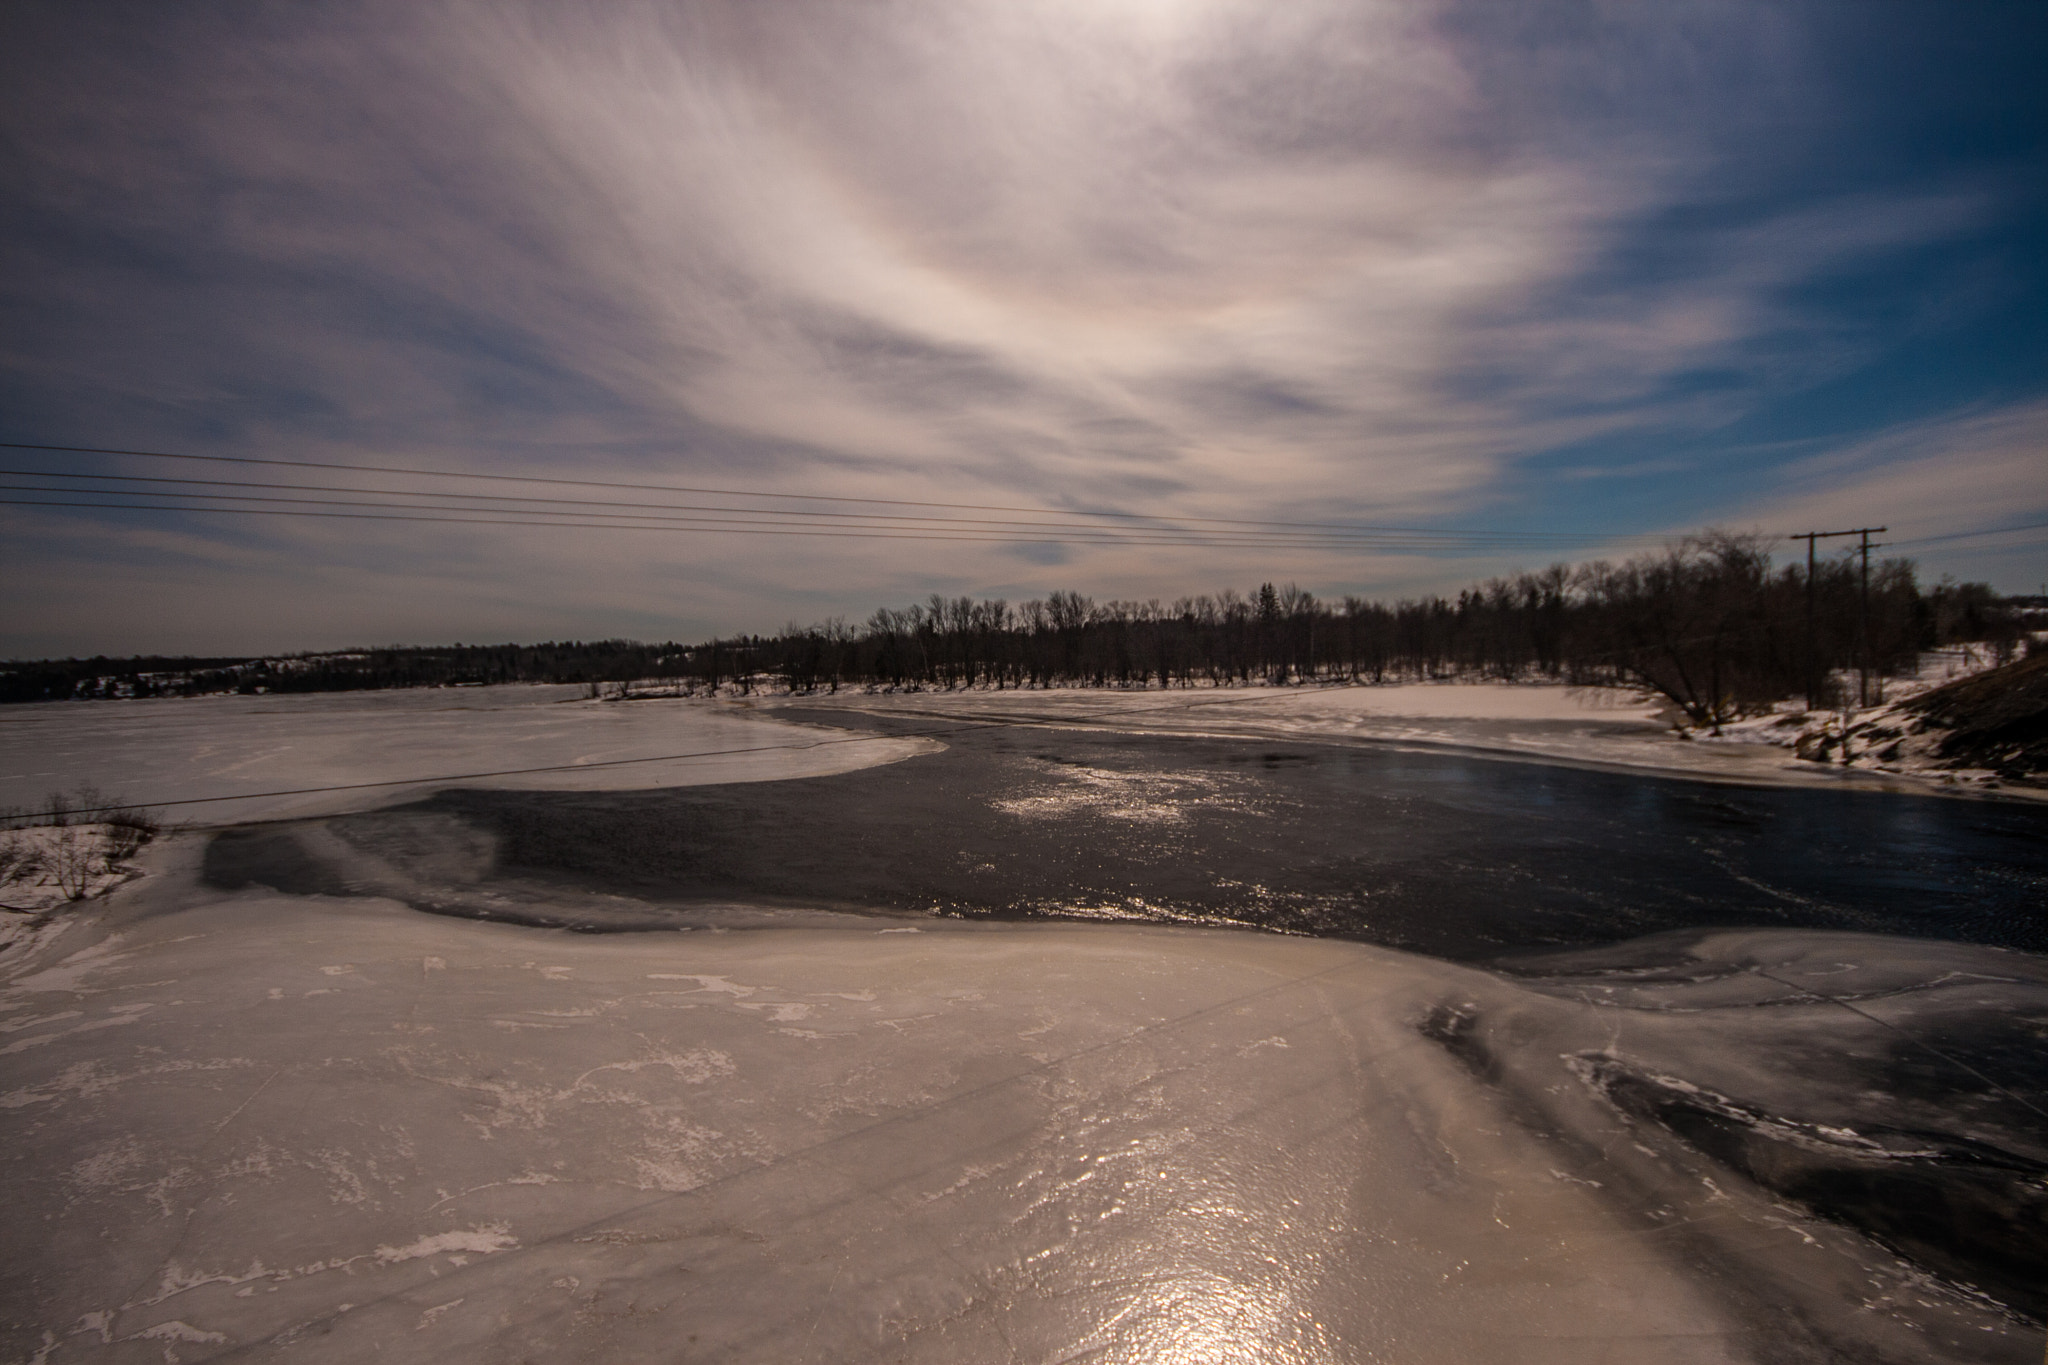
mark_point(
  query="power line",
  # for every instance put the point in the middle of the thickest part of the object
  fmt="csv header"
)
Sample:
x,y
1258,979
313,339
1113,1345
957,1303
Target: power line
x,y
757,493
1863,630
738,517
1973,535
1104,536
1167,524
1102,528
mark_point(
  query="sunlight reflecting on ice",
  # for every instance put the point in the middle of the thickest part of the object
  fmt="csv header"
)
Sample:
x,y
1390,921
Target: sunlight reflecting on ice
x,y
1198,1319
1067,789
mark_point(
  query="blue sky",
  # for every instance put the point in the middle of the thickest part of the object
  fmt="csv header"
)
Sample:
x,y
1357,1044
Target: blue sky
x,y
1588,274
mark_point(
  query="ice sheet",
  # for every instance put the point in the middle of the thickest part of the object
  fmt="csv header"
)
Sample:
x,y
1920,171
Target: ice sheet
x,y
166,749
241,1125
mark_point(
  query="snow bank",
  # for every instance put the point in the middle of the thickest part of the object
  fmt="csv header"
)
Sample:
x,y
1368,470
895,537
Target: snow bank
x,y
1960,710
1542,722
169,749
366,1133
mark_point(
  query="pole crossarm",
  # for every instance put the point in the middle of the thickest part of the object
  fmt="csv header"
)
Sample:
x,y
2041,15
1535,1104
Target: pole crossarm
x,y
1863,617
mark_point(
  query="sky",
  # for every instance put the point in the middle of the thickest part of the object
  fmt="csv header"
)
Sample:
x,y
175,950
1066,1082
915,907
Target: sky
x,y
1181,284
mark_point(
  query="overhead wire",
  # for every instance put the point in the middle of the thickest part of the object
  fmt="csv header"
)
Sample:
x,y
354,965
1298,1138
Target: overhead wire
x,y
1972,535
1534,537
1078,526
574,514
1106,536
644,511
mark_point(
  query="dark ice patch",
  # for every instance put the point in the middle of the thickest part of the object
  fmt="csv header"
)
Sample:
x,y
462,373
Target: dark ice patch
x,y
1966,1209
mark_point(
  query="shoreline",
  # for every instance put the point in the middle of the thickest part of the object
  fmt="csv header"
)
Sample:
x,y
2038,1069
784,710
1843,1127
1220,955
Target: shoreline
x,y
1616,733
410,739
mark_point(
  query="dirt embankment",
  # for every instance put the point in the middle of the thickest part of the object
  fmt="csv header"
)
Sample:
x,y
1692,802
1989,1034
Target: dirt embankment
x,y
1997,720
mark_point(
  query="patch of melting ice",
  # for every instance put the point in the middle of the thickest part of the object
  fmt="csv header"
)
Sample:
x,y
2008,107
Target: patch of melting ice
x,y
1069,789
480,1241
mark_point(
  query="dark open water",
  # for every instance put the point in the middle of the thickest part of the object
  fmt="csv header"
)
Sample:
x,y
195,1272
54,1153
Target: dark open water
x,y
1457,857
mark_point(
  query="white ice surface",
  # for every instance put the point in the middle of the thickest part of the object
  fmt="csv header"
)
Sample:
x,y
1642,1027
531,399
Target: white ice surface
x,y
167,749
331,1129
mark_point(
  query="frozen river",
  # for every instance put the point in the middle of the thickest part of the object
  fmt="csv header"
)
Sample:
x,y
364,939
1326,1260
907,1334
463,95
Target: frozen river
x,y
1577,1064
1450,854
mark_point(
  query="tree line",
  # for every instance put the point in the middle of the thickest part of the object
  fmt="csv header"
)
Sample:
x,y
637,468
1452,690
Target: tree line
x,y
1711,624
590,663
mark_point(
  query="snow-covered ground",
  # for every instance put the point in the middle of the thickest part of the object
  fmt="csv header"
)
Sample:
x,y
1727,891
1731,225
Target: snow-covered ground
x,y
1542,722
255,1123
177,749
1887,736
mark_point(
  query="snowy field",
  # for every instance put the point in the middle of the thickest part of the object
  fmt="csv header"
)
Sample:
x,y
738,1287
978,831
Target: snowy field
x,y
251,1125
392,745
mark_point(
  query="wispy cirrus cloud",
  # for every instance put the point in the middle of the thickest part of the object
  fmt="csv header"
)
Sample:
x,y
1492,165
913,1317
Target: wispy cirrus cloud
x,y
1200,257
1931,483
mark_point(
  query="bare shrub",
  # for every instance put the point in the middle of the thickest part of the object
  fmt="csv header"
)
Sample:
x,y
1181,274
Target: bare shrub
x,y
19,859
128,828
72,857
57,808
72,839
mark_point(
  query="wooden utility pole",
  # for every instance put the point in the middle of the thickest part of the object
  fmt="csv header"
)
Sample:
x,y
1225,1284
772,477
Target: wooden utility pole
x,y
1863,623
1863,633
